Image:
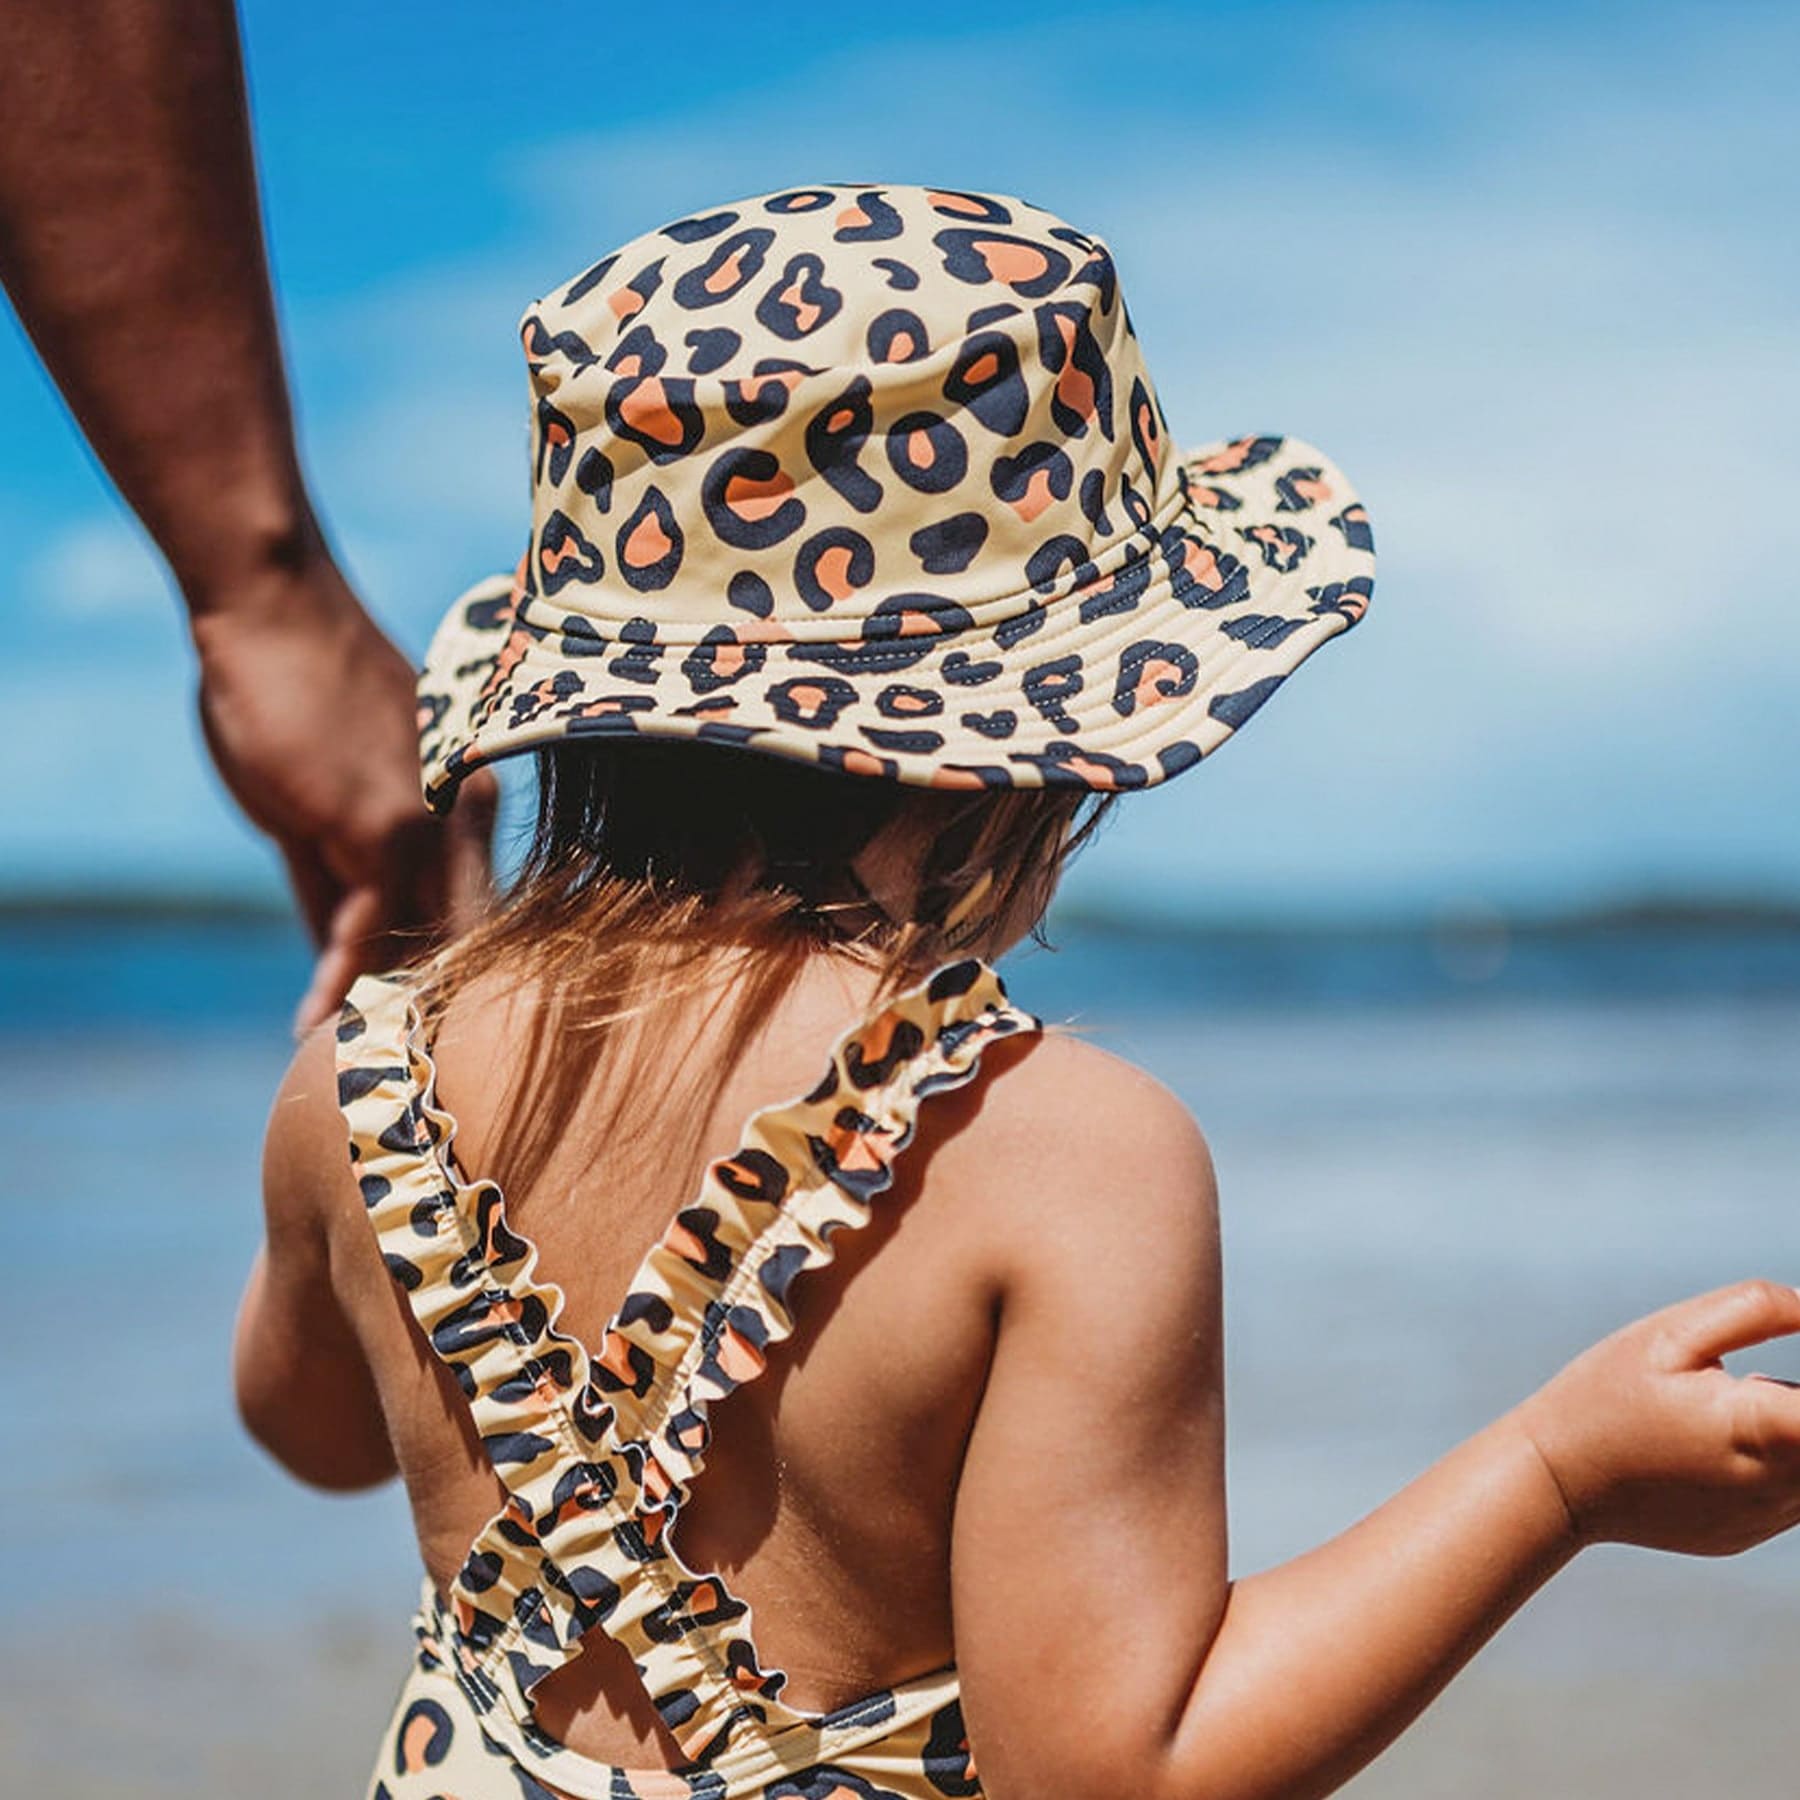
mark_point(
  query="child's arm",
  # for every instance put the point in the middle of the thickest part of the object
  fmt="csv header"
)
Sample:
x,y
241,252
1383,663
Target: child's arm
x,y
1102,1648
303,1387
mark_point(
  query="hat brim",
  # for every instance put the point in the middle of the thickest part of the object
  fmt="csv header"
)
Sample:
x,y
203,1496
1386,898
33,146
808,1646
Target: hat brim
x,y
1116,684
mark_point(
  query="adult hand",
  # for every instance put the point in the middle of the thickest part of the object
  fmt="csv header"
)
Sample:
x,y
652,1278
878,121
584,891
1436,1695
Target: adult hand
x,y
311,718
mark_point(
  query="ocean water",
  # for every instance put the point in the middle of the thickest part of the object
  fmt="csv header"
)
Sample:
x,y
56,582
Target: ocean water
x,y
1443,1172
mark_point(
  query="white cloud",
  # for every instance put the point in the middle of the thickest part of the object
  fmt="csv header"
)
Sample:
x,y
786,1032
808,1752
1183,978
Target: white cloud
x,y
98,569
1524,278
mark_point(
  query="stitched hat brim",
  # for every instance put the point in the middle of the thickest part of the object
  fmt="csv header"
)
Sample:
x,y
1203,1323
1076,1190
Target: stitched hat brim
x,y
1119,686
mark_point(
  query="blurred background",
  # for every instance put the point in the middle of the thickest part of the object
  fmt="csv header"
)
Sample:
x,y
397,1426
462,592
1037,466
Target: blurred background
x,y
1480,964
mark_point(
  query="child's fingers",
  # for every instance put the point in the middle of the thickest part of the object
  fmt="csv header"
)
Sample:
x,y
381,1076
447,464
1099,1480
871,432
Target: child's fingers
x,y
1712,1325
1768,1422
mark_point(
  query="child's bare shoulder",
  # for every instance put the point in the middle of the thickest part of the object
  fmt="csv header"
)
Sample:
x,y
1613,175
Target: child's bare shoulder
x,y
306,1167
1076,1136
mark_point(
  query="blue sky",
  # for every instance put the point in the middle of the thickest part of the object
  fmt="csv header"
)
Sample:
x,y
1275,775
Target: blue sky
x,y
1527,272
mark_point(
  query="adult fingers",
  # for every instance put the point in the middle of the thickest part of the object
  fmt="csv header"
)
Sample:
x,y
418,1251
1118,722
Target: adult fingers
x,y
347,951
468,854
316,890
1731,1318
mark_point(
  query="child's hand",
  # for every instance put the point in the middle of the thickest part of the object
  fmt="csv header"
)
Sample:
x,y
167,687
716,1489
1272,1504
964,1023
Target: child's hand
x,y
1653,1443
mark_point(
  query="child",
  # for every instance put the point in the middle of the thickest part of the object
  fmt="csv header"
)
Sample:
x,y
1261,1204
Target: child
x,y
861,578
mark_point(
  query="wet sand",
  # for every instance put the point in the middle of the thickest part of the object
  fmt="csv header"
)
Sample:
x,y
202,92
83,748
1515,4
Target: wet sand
x,y
169,1704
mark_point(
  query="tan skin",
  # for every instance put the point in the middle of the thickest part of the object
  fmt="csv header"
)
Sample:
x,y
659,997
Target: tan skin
x,y
1004,1408
1005,1405
134,258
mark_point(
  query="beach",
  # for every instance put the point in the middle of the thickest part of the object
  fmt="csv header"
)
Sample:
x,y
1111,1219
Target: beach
x,y
1439,1181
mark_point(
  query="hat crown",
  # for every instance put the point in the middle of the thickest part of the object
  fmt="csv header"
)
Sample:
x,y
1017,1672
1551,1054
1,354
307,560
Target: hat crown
x,y
838,407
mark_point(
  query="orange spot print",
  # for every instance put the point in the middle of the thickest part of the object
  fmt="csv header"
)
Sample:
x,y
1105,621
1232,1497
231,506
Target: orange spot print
x,y
1096,774
1014,264
833,572
841,419
415,1741
861,762
1203,565
615,1355
853,218
648,543
658,1483
807,698
1036,497
624,302
920,450
900,346
557,432
553,557
1314,487
755,500
726,275
983,368
704,1598
685,1244
728,660
854,1149
918,624
1222,462
806,314
630,365
647,411
738,1357
910,703
959,204
764,631
1073,388
1157,669
956,778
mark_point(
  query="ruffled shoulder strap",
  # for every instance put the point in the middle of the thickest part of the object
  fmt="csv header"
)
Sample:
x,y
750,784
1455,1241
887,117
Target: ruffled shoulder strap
x,y
598,1450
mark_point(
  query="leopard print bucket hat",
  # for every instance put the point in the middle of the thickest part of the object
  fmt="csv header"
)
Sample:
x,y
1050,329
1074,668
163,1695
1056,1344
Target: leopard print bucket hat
x,y
875,477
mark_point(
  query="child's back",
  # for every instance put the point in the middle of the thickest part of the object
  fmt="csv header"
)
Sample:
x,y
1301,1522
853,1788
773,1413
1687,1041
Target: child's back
x,y
831,1482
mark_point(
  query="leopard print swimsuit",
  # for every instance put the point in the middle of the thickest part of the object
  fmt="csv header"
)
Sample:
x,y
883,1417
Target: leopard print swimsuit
x,y
597,1449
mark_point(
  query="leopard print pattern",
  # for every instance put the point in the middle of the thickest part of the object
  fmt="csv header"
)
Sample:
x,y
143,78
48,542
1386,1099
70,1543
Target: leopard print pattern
x,y
597,1450
876,477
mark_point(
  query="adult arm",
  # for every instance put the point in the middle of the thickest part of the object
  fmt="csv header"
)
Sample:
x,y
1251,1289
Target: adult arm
x,y
131,246
1102,1647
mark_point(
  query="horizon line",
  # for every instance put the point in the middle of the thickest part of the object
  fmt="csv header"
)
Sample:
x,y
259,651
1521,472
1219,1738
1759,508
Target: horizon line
x,y
1646,910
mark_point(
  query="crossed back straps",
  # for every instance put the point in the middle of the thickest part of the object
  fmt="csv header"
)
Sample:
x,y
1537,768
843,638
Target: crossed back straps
x,y
598,1448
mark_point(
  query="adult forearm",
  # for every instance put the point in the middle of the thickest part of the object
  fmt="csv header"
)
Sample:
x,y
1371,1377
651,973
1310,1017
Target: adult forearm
x,y
1321,1663
131,246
